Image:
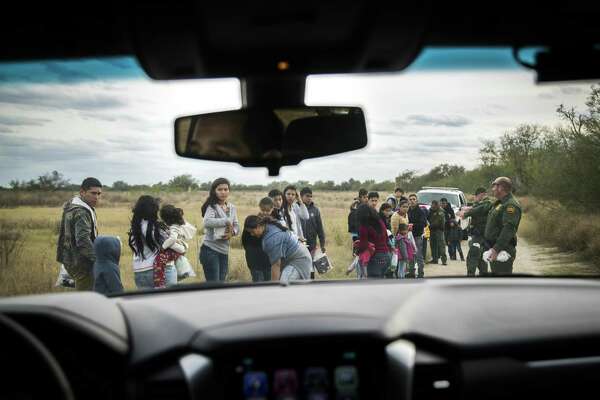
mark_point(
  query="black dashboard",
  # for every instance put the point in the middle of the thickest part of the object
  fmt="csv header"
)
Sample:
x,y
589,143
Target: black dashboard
x,y
436,338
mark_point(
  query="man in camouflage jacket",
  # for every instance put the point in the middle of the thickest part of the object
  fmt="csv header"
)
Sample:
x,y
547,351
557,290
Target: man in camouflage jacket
x,y
78,230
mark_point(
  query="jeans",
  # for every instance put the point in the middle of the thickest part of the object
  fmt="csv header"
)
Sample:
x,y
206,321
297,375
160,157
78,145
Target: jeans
x,y
419,258
290,273
144,279
453,247
214,264
261,275
401,269
378,264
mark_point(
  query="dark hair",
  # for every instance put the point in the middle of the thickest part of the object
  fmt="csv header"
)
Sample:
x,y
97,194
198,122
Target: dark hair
x,y
402,227
265,201
402,202
146,208
171,215
444,199
274,193
362,192
89,183
305,190
435,202
286,206
480,190
413,195
372,195
385,206
212,195
399,190
367,216
254,221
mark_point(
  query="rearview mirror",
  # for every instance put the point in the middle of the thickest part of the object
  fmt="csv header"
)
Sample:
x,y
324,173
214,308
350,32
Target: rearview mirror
x,y
271,137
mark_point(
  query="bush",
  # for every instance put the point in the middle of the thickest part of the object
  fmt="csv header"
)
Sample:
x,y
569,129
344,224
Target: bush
x,y
12,241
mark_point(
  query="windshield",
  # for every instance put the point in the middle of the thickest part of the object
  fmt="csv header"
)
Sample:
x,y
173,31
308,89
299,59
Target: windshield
x,y
93,196
427,198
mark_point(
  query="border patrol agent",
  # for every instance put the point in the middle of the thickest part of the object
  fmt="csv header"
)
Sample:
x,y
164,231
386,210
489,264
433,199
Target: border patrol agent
x,y
502,225
478,214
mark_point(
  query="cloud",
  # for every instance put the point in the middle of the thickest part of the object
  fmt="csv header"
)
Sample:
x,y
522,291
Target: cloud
x,y
450,121
60,97
15,148
571,90
6,120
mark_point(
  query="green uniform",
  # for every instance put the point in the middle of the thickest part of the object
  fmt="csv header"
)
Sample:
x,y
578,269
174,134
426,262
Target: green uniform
x,y
478,216
437,222
75,248
501,231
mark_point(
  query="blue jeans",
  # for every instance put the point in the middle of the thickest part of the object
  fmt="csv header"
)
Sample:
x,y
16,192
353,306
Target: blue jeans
x,y
377,266
145,279
401,269
214,264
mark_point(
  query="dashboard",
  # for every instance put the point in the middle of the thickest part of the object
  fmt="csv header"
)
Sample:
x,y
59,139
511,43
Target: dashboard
x,y
420,339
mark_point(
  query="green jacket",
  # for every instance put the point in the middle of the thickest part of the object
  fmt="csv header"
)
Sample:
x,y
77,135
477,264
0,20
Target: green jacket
x,y
77,234
502,223
478,215
437,219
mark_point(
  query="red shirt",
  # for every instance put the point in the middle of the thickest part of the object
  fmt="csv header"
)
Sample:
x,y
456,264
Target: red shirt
x,y
378,238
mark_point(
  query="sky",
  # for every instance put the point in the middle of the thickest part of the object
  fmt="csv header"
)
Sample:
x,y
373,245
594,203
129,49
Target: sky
x,y
105,118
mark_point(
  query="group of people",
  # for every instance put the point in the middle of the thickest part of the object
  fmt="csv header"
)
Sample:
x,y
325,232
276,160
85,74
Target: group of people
x,y
391,240
280,240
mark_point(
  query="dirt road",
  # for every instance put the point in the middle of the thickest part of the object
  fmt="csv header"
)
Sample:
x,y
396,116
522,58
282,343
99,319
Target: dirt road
x,y
531,259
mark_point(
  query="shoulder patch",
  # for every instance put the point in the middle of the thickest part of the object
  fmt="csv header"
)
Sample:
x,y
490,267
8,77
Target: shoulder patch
x,y
498,207
510,209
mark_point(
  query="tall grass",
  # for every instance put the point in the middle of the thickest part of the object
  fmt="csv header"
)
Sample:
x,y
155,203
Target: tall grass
x,y
550,223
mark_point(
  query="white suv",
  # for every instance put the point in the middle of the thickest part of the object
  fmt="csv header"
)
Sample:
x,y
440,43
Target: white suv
x,y
455,197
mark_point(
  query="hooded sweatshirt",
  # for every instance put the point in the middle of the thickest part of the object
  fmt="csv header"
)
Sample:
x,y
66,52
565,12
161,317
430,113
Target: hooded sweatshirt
x,y
78,231
107,277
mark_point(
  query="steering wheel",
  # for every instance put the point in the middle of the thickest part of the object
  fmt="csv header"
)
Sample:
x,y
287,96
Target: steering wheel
x,y
30,370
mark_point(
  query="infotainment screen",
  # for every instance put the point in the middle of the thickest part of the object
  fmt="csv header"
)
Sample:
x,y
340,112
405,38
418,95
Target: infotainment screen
x,y
289,375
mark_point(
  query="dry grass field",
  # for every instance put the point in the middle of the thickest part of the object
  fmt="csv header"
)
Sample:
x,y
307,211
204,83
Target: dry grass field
x,y
28,235
33,269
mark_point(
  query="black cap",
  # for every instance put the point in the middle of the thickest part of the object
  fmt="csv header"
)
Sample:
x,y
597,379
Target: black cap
x,y
480,190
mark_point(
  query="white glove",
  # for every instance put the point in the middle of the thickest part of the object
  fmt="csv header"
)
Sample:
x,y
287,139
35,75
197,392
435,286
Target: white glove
x,y
503,256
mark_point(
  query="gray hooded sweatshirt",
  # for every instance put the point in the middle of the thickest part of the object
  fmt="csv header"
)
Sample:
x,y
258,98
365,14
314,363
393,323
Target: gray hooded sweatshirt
x,y
107,277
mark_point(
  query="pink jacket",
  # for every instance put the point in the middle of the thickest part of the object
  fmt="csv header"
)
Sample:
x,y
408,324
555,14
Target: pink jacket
x,y
364,256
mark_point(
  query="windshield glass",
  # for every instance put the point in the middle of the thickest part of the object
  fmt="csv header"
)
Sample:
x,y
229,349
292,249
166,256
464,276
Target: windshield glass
x,y
150,219
428,197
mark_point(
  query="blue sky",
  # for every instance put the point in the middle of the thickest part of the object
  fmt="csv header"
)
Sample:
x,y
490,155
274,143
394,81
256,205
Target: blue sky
x,y
105,118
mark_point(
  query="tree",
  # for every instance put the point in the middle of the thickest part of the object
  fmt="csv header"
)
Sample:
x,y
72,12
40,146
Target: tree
x,y
183,183
50,181
121,186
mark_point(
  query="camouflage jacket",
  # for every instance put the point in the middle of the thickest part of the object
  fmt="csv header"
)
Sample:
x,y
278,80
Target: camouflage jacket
x,y
502,223
478,215
77,235
437,219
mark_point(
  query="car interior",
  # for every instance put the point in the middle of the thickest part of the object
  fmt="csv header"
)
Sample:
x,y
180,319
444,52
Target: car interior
x,y
447,338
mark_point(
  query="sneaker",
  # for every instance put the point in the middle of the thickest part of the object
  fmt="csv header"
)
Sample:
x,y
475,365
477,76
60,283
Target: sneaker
x,y
432,262
443,263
